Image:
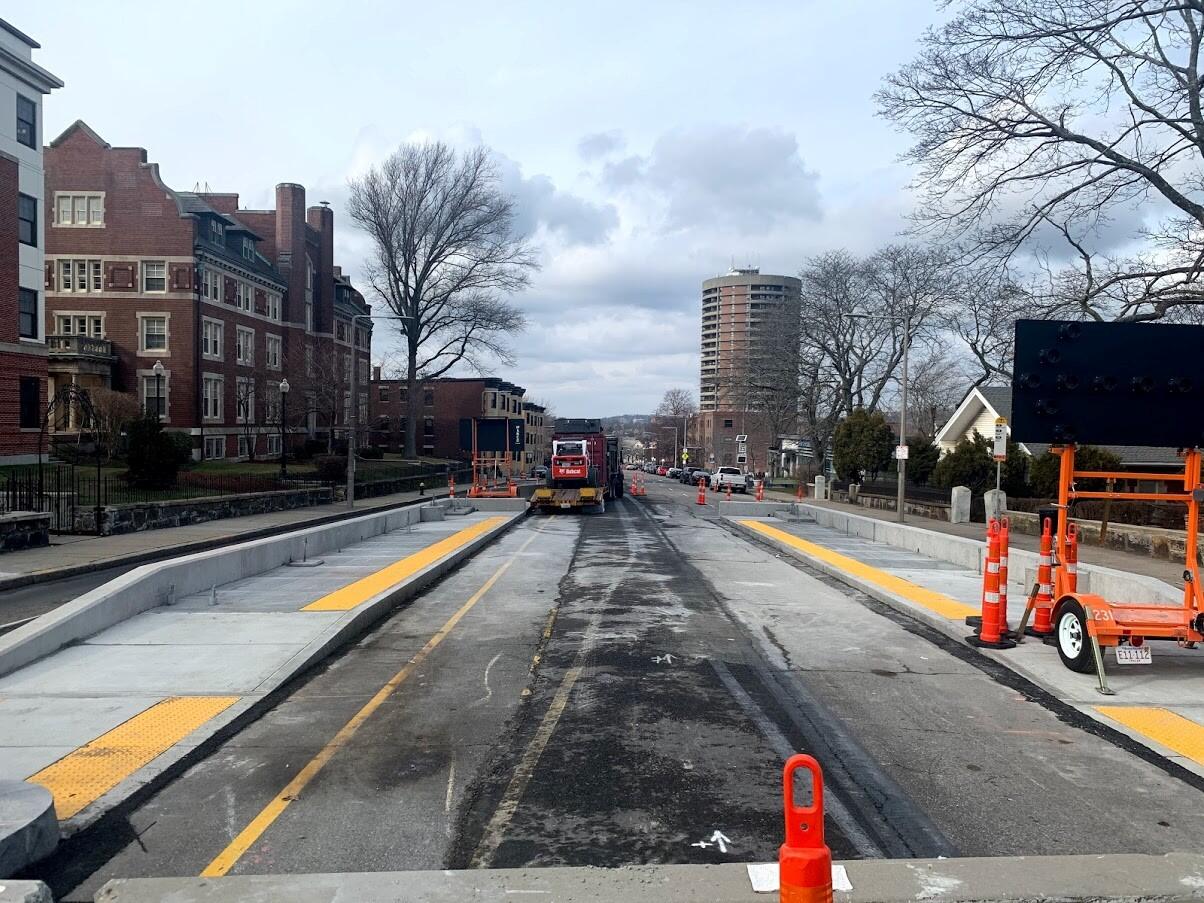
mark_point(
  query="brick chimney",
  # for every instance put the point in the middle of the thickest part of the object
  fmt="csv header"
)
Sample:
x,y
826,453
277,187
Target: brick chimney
x,y
321,220
290,246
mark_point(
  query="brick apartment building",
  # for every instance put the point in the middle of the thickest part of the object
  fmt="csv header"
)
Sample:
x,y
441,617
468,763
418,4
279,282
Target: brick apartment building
x,y
538,450
445,402
196,307
22,231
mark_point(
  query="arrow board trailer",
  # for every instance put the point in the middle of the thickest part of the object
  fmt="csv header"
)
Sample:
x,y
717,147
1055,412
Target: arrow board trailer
x,y
585,469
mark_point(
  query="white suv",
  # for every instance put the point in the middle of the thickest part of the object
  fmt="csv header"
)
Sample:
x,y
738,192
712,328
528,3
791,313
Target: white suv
x,y
730,476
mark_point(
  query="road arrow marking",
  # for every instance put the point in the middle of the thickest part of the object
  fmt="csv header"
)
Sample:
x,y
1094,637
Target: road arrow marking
x,y
719,838
665,659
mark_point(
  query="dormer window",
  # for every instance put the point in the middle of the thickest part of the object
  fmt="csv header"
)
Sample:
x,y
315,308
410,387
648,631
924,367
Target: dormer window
x,y
248,248
216,232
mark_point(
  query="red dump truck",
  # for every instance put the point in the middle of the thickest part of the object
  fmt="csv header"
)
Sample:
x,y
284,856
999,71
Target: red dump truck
x,y
585,469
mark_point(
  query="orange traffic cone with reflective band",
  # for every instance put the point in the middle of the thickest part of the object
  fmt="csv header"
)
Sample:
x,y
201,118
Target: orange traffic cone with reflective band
x,y
1043,618
451,487
989,634
804,860
1072,558
1004,542
760,490
702,491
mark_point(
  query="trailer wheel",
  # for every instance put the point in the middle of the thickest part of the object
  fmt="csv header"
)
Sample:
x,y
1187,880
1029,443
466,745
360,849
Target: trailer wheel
x,y
1070,631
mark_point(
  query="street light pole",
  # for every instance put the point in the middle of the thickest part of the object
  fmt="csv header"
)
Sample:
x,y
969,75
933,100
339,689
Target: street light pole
x,y
902,462
158,371
283,424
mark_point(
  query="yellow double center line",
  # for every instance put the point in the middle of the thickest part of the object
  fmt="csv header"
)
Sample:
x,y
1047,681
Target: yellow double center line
x,y
273,810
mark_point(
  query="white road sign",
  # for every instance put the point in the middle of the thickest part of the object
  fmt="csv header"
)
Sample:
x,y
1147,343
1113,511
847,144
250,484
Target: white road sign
x,y
901,452
1000,450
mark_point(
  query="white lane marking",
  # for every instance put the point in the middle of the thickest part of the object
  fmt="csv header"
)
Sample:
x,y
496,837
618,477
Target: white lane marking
x,y
488,689
665,659
451,785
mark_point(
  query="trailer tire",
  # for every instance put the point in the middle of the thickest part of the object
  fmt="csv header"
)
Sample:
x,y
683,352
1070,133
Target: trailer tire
x,y
1070,635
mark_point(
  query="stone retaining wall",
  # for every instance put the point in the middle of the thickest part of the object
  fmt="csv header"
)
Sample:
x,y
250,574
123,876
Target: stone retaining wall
x,y
934,510
1157,542
181,512
24,530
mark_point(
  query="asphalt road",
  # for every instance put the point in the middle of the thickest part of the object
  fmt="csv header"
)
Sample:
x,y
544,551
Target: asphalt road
x,y
26,602
625,691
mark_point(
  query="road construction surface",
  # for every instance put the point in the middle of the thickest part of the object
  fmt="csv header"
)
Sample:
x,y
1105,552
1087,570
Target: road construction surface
x,y
622,688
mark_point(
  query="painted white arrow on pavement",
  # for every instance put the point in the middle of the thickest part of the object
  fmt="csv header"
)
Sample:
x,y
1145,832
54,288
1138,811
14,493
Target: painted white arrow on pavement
x,y
720,838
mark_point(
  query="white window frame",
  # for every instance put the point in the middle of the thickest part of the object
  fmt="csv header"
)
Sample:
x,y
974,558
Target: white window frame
x,y
271,408
148,382
273,306
215,442
91,318
77,275
145,274
244,443
273,445
215,329
91,203
271,340
210,382
143,350
244,346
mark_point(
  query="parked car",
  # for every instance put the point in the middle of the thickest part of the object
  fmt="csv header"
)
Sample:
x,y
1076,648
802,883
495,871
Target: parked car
x,y
700,474
730,476
673,473
539,473
662,470
687,474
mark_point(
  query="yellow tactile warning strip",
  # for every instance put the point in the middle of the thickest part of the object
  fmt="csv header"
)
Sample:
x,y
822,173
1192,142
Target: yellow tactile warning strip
x,y
938,602
359,592
92,770
1172,730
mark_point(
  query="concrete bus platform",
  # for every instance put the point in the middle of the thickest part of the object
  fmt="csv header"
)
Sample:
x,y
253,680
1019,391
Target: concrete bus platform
x,y
1151,879
1158,705
109,713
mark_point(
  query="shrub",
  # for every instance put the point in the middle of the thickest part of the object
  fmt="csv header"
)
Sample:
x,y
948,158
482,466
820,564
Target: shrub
x,y
153,457
182,443
923,454
969,464
1043,473
862,445
331,468
372,453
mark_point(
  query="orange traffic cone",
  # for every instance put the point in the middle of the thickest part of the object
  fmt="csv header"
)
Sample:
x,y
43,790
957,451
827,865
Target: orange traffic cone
x,y
804,860
989,634
729,492
1043,620
760,490
451,487
702,491
1004,540
798,493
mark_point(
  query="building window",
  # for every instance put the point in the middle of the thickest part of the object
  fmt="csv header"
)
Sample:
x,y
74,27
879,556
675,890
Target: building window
x,y
80,209
428,398
728,424
245,400
31,403
212,390
347,368
271,410
81,276
88,325
216,233
273,306
27,313
27,122
212,339
242,295
215,447
96,270
340,332
154,276
211,284
384,393
154,394
309,360
428,426
248,249
309,294
244,447
363,370
274,445
27,220
244,347
273,351
153,333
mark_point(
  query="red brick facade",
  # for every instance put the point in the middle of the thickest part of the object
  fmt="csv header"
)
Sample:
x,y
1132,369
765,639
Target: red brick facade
x,y
228,287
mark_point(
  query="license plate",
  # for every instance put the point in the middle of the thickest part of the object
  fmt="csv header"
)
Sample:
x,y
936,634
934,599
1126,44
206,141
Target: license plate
x,y
565,505
1134,655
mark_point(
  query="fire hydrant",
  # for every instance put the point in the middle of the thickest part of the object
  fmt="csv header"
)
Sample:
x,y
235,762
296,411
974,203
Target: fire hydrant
x,y
422,488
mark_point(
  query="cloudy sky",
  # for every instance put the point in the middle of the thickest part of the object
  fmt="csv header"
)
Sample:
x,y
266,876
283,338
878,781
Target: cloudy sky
x,y
649,145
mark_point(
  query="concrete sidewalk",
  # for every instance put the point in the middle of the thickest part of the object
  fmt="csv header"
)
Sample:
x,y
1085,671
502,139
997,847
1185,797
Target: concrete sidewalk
x,y
96,720
1161,569
1158,705
69,555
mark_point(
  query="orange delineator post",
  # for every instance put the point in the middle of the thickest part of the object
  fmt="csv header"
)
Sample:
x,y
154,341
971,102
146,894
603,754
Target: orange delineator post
x,y
804,860
1072,558
1043,619
989,634
760,490
702,491
729,492
451,487
799,492
1004,540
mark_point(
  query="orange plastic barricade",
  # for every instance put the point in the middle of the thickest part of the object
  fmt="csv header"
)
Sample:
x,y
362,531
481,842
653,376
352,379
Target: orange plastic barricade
x,y
804,860
702,491
1043,620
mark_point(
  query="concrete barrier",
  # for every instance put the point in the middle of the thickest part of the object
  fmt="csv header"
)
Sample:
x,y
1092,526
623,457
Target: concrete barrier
x,y
152,585
744,508
1114,585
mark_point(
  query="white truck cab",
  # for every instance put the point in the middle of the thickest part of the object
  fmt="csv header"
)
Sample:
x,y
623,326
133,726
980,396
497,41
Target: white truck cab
x,y
730,476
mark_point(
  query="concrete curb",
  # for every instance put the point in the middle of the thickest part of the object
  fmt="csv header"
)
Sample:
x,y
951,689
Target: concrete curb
x,y
250,708
1174,878
200,545
24,892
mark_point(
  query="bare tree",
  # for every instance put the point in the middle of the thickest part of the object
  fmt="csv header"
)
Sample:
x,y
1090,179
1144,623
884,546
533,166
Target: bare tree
x,y
677,407
445,256
1038,121
936,384
322,390
112,410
